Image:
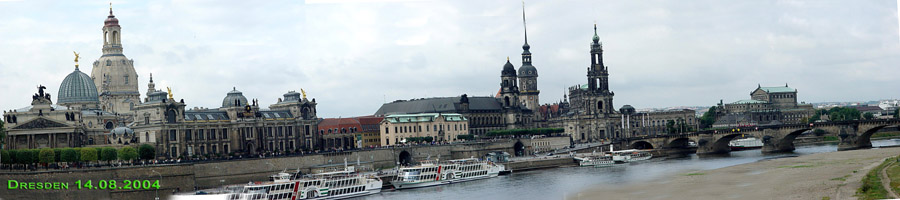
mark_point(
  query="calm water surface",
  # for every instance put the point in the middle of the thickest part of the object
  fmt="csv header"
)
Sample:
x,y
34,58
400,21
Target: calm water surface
x,y
558,183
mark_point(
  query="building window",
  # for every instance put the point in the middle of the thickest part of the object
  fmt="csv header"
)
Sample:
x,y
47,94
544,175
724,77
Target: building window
x,y
202,149
290,131
200,134
212,134
174,152
387,130
187,135
215,149
226,149
172,135
147,137
224,134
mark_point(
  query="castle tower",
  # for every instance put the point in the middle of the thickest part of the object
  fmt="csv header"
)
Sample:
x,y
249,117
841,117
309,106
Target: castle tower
x,y
598,80
528,76
509,89
114,73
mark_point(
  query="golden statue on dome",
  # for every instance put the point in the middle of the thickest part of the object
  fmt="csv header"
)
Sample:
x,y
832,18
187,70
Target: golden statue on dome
x,y
76,58
304,93
170,92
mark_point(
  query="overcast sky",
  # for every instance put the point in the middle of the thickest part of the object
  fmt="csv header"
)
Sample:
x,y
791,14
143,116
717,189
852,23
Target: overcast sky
x,y
352,56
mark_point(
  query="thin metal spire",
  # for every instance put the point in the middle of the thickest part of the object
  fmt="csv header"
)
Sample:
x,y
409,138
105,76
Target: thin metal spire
x,y
524,25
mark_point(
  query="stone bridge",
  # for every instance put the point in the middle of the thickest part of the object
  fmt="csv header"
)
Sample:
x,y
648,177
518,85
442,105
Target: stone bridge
x,y
779,138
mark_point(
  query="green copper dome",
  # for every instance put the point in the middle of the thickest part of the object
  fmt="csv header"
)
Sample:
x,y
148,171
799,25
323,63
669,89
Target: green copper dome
x,y
77,88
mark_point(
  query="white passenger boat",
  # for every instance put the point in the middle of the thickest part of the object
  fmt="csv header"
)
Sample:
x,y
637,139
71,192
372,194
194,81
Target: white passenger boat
x,y
745,143
630,155
431,173
329,185
595,160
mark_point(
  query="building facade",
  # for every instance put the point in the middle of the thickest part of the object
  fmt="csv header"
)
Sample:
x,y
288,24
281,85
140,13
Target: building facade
x,y
442,127
114,115
114,74
587,112
766,106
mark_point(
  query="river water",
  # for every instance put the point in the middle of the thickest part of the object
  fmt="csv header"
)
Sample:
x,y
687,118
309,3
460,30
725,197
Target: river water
x,y
559,183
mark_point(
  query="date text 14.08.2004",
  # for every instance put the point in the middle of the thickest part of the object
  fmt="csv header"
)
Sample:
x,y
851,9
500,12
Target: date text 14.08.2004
x,y
85,185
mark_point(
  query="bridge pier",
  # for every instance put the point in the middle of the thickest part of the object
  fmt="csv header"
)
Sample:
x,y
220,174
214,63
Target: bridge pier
x,y
709,144
775,142
853,142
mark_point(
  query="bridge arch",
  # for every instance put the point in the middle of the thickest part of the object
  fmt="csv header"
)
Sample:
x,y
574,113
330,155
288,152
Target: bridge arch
x,y
519,149
405,158
679,143
641,145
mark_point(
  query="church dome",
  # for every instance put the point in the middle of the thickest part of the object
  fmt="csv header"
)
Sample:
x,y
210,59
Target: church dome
x,y
508,69
77,87
111,19
233,96
527,70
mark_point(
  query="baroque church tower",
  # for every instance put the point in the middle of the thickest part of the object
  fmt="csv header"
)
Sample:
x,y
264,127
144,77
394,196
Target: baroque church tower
x,y
598,81
528,76
113,73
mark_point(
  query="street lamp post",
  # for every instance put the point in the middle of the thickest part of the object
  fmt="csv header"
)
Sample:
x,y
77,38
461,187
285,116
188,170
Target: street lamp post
x,y
160,178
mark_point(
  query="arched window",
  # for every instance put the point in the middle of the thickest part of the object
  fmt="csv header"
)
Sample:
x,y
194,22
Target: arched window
x,y
506,100
115,37
170,116
599,105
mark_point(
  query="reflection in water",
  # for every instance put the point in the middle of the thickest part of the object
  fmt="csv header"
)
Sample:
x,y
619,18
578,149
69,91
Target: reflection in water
x,y
561,182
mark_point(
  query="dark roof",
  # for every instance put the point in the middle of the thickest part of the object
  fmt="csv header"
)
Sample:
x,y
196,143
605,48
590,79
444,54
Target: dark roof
x,y
273,114
508,69
205,115
437,105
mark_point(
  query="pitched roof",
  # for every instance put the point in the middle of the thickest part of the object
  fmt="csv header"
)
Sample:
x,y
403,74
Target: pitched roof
x,y
423,117
748,101
777,89
437,105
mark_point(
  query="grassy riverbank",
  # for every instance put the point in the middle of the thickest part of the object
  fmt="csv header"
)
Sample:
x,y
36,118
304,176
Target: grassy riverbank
x,y
871,183
832,175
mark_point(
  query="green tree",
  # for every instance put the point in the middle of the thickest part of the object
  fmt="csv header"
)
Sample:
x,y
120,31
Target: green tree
x,y
108,154
88,154
46,156
58,153
35,155
868,115
147,152
128,153
12,156
670,126
5,157
23,156
69,155
708,118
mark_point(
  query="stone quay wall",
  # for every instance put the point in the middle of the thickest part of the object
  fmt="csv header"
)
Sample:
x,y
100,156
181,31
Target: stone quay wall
x,y
185,177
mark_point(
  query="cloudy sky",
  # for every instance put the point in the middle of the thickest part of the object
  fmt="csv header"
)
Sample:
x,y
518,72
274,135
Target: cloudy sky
x,y
352,56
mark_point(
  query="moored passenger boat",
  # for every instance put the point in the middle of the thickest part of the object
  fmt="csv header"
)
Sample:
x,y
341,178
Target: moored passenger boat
x,y
329,185
595,160
431,173
630,155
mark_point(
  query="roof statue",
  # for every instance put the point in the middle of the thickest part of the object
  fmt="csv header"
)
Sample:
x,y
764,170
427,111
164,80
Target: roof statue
x,y
76,59
170,92
304,92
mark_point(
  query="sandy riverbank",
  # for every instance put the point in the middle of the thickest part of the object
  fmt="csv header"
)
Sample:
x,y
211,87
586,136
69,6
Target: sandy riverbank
x,y
835,175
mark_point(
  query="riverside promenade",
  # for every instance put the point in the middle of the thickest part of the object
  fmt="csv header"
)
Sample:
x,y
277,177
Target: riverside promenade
x,y
833,175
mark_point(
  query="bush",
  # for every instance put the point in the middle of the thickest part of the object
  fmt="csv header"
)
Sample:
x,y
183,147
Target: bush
x,y
108,154
12,156
46,156
57,152
465,137
69,155
5,157
35,155
88,154
128,153
23,156
147,152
